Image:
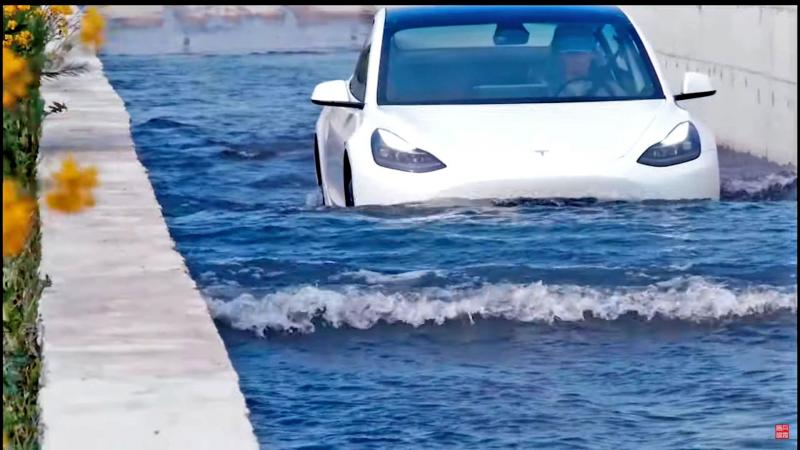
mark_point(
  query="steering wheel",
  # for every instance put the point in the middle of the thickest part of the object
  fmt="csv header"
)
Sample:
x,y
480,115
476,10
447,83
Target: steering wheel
x,y
575,80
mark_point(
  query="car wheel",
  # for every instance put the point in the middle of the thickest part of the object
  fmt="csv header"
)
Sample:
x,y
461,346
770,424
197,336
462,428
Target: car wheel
x,y
348,183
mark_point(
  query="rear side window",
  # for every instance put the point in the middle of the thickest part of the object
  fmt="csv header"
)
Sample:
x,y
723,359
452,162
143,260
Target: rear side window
x,y
358,84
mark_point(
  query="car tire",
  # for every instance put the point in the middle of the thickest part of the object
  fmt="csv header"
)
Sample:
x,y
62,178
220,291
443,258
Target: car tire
x,y
349,199
316,161
318,170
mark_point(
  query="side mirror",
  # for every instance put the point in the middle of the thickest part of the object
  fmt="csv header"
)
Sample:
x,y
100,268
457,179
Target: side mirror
x,y
695,85
334,93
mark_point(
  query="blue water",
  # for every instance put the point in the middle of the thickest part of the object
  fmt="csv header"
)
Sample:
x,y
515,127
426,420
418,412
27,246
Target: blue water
x,y
546,324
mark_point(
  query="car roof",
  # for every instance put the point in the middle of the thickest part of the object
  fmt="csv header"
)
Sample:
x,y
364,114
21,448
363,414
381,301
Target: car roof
x,y
412,16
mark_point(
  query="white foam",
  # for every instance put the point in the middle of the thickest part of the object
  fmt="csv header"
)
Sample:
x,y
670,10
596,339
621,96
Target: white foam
x,y
754,185
693,299
371,277
314,199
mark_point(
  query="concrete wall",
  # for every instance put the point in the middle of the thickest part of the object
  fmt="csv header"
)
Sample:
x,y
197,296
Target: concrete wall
x,y
750,54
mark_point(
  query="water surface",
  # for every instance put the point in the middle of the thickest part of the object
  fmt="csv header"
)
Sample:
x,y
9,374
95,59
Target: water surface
x,y
528,324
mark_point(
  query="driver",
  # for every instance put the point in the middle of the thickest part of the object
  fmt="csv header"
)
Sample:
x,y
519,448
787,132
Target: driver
x,y
575,74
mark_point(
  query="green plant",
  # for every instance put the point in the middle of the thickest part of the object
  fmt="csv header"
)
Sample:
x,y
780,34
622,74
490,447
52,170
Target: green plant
x,y
22,124
28,30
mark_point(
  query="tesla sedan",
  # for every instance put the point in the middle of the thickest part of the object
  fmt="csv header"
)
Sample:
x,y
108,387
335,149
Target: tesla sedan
x,y
507,102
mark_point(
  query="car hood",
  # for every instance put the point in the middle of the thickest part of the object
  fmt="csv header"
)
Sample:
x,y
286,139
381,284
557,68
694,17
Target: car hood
x,y
586,131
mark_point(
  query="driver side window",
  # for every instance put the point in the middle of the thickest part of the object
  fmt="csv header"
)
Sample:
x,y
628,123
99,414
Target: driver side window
x,y
625,60
358,84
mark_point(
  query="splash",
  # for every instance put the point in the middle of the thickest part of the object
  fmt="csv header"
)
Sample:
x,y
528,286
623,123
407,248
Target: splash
x,y
692,299
314,199
746,177
773,186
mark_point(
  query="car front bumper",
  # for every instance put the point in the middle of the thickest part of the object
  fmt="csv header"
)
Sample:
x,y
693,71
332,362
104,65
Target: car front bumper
x,y
620,179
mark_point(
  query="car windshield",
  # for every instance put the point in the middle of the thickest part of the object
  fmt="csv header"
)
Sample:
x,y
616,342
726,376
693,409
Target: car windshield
x,y
518,60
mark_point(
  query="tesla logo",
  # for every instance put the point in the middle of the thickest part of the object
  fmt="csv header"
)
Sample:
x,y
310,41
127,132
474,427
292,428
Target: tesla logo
x,y
541,152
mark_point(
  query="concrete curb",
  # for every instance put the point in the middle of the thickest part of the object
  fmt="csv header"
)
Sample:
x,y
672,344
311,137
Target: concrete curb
x,y
131,357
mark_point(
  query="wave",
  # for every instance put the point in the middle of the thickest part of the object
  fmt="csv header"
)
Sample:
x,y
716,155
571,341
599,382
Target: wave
x,y
371,277
321,51
248,153
297,309
746,177
162,123
774,186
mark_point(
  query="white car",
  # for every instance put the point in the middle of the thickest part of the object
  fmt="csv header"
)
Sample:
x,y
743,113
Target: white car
x,y
509,102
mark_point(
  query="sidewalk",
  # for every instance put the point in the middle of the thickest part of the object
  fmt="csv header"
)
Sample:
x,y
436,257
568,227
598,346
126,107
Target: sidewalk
x,y
132,359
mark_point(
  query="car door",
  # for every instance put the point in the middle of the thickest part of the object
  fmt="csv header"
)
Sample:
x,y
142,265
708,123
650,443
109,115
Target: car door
x,y
342,124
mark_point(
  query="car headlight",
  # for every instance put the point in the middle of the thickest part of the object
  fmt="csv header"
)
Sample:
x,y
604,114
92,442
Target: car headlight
x,y
682,144
392,151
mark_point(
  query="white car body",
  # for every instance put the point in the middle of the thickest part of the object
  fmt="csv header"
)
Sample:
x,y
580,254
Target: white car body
x,y
574,150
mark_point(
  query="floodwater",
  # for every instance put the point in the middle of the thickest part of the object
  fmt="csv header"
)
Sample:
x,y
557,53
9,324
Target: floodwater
x,y
527,324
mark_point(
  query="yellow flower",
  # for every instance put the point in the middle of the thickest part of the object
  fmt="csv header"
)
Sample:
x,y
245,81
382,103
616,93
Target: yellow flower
x,y
64,10
9,10
12,25
16,78
23,7
8,40
92,28
17,219
24,38
73,186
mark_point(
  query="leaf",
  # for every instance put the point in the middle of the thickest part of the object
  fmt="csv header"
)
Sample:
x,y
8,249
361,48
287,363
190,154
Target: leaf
x,y
56,107
68,70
